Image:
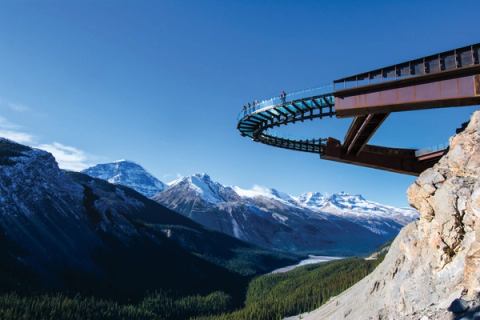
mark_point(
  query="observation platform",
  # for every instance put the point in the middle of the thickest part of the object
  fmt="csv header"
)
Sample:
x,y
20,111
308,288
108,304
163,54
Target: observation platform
x,y
446,79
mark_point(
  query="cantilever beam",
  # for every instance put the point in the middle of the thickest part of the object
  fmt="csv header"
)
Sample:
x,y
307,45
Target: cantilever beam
x,y
391,159
462,91
361,130
446,79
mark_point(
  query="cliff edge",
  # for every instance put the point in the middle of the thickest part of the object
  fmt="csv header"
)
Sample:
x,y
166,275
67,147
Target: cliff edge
x,y
432,270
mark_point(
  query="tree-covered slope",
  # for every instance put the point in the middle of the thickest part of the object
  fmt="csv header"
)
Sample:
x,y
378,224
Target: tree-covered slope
x,y
271,296
70,232
275,296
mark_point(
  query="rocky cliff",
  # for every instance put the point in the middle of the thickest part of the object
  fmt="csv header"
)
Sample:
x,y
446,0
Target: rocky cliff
x,y
432,270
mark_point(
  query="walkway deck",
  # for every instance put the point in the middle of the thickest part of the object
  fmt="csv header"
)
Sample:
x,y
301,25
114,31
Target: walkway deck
x,y
446,79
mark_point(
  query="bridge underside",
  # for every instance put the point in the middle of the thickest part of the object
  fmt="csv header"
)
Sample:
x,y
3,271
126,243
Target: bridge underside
x,y
371,109
361,130
391,159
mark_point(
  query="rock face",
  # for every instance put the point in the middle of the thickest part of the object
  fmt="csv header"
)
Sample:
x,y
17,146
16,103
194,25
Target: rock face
x,y
433,261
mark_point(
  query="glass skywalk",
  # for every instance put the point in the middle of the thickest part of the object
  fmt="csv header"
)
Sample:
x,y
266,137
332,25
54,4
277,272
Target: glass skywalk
x,y
257,118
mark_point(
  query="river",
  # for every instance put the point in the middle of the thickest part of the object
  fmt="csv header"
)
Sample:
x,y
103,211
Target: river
x,y
310,260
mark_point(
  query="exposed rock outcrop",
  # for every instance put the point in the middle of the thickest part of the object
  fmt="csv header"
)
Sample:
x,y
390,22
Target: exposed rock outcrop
x,y
433,266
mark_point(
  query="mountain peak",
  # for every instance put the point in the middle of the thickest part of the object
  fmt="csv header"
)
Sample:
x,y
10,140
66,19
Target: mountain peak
x,y
312,199
203,176
261,191
192,179
348,196
123,161
203,185
129,174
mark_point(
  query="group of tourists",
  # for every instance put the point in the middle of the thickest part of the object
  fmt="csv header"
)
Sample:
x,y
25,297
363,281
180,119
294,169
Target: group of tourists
x,y
251,106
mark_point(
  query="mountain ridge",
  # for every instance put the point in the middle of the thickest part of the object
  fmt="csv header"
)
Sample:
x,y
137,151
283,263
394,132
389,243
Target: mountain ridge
x,y
66,230
268,217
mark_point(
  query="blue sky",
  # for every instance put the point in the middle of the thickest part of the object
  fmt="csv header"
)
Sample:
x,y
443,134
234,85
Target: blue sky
x,y
161,82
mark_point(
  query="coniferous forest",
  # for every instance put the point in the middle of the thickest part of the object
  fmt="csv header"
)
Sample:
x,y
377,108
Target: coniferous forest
x,y
268,297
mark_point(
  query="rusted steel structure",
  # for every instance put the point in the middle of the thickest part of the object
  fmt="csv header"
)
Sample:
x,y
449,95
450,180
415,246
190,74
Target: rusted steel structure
x,y
447,79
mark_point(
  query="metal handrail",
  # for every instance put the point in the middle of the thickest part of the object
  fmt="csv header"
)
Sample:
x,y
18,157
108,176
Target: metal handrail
x,y
445,61
277,100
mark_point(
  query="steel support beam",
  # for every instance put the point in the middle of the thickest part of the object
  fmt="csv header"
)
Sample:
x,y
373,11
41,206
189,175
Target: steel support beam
x,y
463,91
361,130
390,159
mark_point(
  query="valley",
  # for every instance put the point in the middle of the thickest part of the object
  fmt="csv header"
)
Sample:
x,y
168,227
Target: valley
x,y
89,245
337,224
310,260
277,160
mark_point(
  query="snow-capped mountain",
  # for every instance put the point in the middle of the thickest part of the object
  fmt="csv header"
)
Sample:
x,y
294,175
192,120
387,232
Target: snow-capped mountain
x,y
259,191
374,216
61,229
202,185
129,174
313,222
312,199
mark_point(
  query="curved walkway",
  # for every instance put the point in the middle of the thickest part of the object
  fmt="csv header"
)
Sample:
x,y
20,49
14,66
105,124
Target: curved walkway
x,y
450,78
255,121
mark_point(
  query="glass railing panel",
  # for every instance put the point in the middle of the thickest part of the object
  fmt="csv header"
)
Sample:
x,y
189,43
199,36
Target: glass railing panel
x,y
309,93
376,77
433,65
349,84
362,81
241,115
290,97
419,68
404,70
466,58
391,74
449,62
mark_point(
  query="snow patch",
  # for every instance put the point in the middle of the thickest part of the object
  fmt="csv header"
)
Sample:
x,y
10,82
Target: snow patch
x,y
236,229
279,217
260,191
